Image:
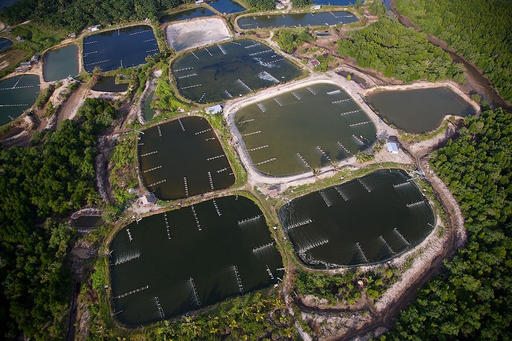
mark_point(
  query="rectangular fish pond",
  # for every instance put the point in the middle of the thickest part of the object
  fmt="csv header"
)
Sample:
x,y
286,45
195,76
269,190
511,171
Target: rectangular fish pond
x,y
108,84
183,158
5,43
187,14
175,262
419,110
17,94
226,6
297,19
60,63
334,2
125,47
228,70
366,220
304,129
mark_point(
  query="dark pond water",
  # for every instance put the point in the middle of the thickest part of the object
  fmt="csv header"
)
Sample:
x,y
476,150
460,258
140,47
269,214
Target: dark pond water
x,y
5,43
420,110
334,2
87,222
6,3
108,84
226,6
147,111
175,262
183,158
304,129
125,47
299,19
60,63
366,220
16,95
231,69
188,14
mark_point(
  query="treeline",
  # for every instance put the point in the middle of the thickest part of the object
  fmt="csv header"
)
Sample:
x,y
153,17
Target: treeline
x,y
398,52
74,15
472,299
479,30
39,184
262,4
289,39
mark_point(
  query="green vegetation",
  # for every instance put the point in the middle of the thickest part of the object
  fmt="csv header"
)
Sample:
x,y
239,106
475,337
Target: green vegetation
x,y
36,37
377,8
75,15
122,174
164,98
37,183
301,3
348,287
262,4
479,30
289,39
399,52
363,157
471,299
44,96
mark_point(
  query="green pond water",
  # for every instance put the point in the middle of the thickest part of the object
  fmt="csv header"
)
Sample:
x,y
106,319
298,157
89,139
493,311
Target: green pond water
x,y
304,129
419,110
367,220
297,19
147,111
179,261
183,158
60,63
108,84
16,95
229,70
187,14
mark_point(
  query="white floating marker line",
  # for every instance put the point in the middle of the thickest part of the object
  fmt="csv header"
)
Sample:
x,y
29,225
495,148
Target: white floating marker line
x,y
194,291
151,169
247,220
167,226
188,76
334,92
191,86
222,170
133,292
342,100
221,49
278,101
266,161
181,125
184,69
299,224
313,245
129,234
185,184
326,200
415,204
195,217
405,241
245,86
159,308
296,95
228,94
324,154
262,107
246,121
210,139
203,131
211,55
215,157
216,207
195,55
238,279
253,133
258,249
202,96
257,148
366,187
149,153
343,148
159,131
260,52
100,62
210,180
251,46
349,112
157,183
304,161
358,124
311,90
269,273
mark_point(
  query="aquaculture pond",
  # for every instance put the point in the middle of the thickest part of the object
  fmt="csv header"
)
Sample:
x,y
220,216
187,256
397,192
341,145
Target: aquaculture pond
x,y
86,222
178,261
108,84
147,111
125,47
60,63
231,69
367,220
5,43
419,110
190,34
304,129
183,158
187,14
334,2
16,95
297,19
226,6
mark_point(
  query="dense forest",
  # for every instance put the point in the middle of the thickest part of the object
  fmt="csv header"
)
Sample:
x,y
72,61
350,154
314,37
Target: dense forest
x,y
398,52
480,30
472,299
38,185
75,15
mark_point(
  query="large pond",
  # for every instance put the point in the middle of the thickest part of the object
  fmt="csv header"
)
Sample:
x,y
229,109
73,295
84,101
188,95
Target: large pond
x,y
297,19
108,84
229,70
366,220
175,262
419,110
5,43
334,2
60,63
125,47
187,14
226,6
183,158
16,95
304,129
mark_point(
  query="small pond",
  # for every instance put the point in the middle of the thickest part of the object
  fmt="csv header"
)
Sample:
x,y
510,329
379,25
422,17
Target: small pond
x,y
304,129
60,63
5,43
147,111
183,158
297,19
108,84
125,47
229,70
226,6
187,14
16,95
175,262
366,220
420,110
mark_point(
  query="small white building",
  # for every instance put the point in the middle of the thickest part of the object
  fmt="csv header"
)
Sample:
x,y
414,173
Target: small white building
x,y
316,7
94,28
392,147
214,109
148,199
198,2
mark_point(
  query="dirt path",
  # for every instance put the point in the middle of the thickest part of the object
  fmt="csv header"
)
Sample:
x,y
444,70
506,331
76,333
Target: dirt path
x,y
70,107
